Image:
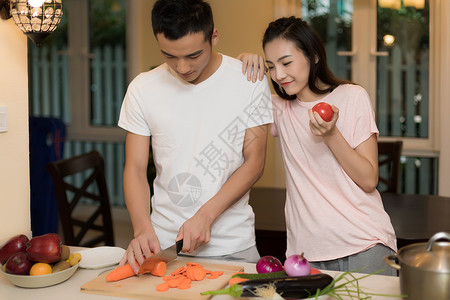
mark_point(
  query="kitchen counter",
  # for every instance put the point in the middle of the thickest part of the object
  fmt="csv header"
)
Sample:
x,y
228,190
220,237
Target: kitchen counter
x,y
70,289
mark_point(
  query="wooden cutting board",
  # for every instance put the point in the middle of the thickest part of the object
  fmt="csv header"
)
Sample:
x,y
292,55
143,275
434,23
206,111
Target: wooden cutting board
x,y
144,286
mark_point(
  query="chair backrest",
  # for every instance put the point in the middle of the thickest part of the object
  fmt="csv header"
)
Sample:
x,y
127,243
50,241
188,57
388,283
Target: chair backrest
x,y
77,178
389,153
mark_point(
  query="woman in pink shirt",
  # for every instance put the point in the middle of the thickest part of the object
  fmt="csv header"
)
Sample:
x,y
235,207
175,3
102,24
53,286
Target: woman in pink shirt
x,y
334,214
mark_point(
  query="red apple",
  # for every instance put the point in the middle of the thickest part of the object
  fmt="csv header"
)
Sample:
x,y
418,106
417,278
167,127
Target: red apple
x,y
18,264
324,110
15,244
45,248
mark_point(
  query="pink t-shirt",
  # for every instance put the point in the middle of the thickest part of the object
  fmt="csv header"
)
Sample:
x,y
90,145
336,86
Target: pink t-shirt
x,y
327,215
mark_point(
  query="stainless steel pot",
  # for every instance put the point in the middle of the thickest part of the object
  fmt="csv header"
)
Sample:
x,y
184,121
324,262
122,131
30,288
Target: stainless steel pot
x,y
424,268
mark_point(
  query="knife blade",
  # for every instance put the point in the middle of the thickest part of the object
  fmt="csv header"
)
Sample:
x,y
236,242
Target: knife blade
x,y
165,255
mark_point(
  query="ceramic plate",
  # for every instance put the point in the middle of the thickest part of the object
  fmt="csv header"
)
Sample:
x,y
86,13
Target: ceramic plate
x,y
100,257
41,280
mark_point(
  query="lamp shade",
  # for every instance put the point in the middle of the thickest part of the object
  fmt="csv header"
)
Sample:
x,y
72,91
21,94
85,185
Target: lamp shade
x,y
36,3
36,22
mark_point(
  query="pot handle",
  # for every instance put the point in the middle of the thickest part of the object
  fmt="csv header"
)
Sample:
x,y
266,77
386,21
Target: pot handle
x,y
392,260
437,236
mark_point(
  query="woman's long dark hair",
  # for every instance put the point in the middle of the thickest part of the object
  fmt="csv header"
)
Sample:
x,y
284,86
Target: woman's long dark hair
x,y
309,42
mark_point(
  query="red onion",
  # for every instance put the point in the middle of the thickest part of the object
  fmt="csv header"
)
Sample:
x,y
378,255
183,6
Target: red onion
x,y
268,264
297,265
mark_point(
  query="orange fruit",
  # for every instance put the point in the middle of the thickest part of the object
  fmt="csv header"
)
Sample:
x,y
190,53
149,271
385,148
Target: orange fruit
x,y
77,256
73,261
40,269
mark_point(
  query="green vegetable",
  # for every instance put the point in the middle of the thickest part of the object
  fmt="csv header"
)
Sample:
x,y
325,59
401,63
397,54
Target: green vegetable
x,y
290,287
261,275
347,285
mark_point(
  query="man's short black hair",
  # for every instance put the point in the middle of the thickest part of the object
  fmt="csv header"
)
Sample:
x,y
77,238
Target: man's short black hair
x,y
178,18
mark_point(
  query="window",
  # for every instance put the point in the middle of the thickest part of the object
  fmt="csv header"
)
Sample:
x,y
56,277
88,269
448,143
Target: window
x,y
79,75
403,39
108,67
387,51
93,51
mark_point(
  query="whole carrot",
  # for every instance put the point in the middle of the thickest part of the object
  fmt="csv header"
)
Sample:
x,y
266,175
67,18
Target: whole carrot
x,y
120,273
160,269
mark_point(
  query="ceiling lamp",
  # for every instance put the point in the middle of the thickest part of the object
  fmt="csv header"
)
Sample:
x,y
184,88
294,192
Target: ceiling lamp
x,y
388,40
36,3
36,18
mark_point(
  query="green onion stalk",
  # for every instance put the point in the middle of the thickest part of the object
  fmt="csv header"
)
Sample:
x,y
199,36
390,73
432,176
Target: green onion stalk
x,y
345,285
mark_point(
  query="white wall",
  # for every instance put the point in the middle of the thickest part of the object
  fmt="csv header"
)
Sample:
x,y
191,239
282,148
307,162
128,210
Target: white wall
x,y
14,153
443,84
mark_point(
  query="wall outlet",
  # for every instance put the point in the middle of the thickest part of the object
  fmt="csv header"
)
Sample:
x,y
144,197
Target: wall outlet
x,y
3,118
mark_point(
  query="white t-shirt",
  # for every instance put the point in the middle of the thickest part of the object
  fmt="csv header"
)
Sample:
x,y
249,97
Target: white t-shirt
x,y
327,215
197,140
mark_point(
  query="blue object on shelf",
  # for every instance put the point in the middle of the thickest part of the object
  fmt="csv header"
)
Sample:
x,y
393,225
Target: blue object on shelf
x,y
47,137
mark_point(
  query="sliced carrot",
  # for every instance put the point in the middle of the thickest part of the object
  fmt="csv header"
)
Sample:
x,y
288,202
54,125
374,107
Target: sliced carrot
x,y
160,269
120,273
178,276
182,277
236,280
199,274
217,273
195,273
179,270
176,281
184,284
189,274
172,277
162,287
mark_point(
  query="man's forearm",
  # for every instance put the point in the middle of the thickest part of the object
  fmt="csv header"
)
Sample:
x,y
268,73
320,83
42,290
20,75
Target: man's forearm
x,y
137,199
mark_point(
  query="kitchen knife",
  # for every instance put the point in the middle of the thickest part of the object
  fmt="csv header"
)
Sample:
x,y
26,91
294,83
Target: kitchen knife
x,y
165,255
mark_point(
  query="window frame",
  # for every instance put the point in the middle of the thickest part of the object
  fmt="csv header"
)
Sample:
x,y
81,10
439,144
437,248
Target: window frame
x,y
364,39
140,53
364,36
79,65
437,145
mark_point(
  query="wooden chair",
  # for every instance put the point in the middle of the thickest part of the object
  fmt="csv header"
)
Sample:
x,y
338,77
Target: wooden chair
x,y
90,168
389,154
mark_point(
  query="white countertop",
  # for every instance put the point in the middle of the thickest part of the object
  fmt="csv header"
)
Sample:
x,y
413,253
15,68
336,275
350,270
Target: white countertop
x,y
70,289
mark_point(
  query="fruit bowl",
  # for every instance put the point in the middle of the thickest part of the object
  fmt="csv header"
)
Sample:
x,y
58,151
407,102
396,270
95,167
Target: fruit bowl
x,y
40,280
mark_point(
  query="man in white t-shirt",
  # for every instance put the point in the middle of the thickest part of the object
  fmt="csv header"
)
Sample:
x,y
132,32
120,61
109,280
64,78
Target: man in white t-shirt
x,y
208,126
